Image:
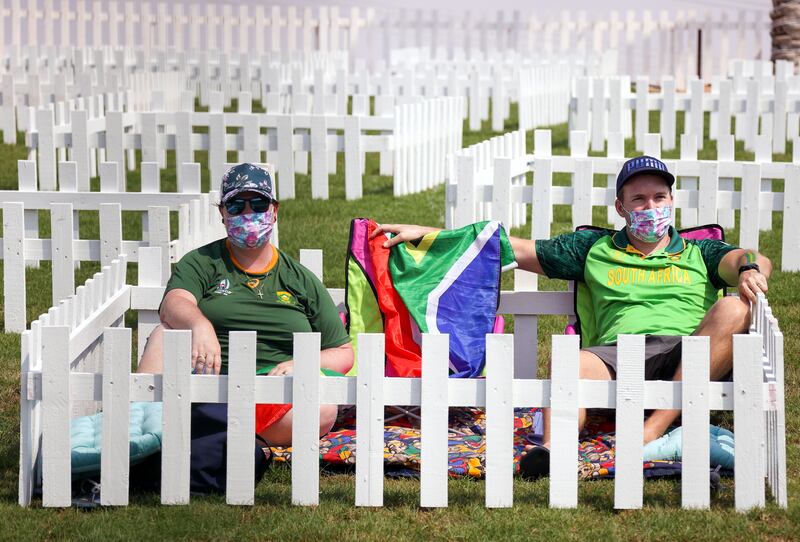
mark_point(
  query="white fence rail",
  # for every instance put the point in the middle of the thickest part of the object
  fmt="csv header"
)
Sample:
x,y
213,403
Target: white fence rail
x,y
49,387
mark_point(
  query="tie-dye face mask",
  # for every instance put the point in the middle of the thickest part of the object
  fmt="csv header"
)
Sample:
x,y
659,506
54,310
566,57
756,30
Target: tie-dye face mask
x,y
650,225
250,230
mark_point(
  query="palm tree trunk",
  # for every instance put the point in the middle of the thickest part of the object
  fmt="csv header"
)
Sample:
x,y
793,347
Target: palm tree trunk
x,y
785,31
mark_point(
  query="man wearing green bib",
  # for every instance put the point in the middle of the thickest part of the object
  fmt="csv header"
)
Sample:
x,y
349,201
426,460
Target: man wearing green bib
x,y
644,279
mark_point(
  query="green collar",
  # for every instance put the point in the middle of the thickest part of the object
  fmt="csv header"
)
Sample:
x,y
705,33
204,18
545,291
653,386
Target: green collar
x,y
676,243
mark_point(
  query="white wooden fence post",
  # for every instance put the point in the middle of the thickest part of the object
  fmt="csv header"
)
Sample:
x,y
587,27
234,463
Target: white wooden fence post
x,y
668,121
319,157
752,114
695,490
599,128
501,193
240,482
763,155
115,134
110,232
779,121
149,274
62,251
499,420
15,303
177,416
370,419
790,245
286,165
46,149
305,419
564,388
465,194
216,150
115,459
689,153
353,152
582,185
748,404
56,456
708,193
158,230
642,114
750,198
697,119
629,483
433,426
27,181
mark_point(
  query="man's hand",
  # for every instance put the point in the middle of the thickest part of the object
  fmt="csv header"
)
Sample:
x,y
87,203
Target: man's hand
x,y
402,233
750,283
282,369
206,352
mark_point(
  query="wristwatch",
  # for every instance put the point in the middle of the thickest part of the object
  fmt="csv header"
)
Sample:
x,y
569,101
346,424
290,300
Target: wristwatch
x,y
748,267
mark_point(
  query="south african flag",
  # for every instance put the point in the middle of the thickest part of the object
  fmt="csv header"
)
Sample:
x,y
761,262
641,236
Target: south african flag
x,y
448,282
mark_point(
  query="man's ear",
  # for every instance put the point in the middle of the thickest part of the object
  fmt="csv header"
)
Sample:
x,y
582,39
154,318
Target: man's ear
x,y
275,211
620,211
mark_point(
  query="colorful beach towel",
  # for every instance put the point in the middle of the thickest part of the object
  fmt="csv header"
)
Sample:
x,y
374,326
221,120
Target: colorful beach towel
x,y
467,446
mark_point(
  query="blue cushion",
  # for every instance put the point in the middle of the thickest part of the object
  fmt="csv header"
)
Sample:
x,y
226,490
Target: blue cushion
x,y
668,447
86,437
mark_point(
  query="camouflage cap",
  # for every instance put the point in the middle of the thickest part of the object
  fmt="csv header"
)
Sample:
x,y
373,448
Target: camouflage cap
x,y
246,178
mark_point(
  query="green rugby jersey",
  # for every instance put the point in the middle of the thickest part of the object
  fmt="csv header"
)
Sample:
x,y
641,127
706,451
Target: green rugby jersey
x,y
665,293
291,299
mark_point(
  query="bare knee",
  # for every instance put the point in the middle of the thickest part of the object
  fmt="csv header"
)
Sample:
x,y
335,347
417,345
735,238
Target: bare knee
x,y
152,361
327,417
593,368
734,311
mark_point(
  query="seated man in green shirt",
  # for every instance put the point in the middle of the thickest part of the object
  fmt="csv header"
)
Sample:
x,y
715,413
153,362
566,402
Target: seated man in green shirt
x,y
243,282
644,279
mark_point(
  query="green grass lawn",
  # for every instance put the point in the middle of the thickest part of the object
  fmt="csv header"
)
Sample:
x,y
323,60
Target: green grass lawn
x,y
324,224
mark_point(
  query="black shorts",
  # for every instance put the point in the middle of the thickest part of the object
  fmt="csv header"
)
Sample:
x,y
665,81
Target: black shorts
x,y
662,356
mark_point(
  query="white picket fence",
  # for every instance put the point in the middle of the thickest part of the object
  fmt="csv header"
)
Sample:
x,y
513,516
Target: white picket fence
x,y
79,330
764,105
648,42
21,100
490,183
541,87
419,135
198,223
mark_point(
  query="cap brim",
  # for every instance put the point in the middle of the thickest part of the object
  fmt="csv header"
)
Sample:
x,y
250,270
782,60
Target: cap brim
x,y
235,192
666,175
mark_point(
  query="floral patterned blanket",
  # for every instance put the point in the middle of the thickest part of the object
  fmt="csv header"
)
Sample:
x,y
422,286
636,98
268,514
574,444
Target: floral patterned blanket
x,y
467,445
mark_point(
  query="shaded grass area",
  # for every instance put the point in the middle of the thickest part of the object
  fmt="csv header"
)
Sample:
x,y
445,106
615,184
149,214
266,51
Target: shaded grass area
x,y
307,223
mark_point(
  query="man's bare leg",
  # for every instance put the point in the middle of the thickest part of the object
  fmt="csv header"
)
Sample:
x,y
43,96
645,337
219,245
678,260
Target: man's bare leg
x,y
280,432
153,356
728,316
591,368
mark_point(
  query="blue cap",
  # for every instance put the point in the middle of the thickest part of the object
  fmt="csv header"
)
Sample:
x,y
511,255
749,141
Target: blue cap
x,y
643,164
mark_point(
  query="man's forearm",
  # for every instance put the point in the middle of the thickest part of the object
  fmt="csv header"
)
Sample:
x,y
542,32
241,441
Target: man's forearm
x,y
525,254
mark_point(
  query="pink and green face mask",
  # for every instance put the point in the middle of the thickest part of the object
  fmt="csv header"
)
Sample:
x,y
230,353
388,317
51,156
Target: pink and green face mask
x,y
250,230
650,225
